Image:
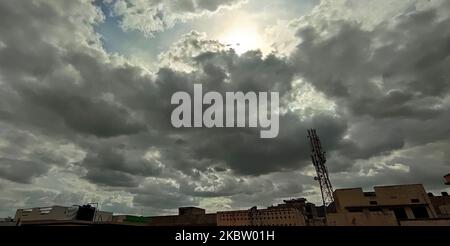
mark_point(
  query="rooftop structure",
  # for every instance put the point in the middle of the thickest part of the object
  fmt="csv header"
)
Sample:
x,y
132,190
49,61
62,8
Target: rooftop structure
x,y
405,201
84,213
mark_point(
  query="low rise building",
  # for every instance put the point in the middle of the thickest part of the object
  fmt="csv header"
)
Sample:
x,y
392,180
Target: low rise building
x,y
309,210
405,201
441,204
272,216
187,216
59,214
7,222
46,213
311,213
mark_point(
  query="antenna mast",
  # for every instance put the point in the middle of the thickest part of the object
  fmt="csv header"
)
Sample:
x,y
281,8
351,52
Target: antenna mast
x,y
318,159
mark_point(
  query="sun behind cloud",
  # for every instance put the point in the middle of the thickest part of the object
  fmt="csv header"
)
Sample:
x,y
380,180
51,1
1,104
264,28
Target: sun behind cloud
x,y
242,36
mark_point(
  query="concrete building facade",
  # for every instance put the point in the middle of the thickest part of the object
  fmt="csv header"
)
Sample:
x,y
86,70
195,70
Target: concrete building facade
x,y
405,201
60,213
441,204
366,218
273,216
46,213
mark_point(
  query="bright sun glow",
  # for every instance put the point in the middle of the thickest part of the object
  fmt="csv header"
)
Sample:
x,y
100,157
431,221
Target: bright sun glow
x,y
242,38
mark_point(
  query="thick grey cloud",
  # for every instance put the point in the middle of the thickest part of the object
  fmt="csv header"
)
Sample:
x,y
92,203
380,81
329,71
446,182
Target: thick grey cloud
x,y
161,194
20,170
115,113
76,119
83,114
391,81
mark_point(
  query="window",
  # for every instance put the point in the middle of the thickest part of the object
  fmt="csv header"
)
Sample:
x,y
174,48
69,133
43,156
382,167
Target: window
x,y
373,203
415,200
375,210
45,210
400,213
354,210
420,212
369,194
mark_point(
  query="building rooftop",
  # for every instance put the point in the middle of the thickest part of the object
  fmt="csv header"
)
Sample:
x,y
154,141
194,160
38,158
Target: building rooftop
x,y
377,187
398,185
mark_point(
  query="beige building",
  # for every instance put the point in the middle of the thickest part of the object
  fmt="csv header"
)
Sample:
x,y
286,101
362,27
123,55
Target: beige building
x,y
366,218
404,201
273,216
46,213
234,218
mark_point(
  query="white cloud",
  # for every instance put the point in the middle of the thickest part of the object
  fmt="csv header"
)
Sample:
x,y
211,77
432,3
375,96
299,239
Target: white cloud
x,y
181,55
158,15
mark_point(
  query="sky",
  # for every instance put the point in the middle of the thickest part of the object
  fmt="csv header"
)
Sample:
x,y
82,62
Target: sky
x,y
85,89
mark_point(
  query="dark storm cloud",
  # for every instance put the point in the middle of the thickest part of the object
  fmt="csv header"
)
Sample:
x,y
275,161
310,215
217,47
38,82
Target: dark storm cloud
x,y
85,115
390,85
369,53
25,155
248,72
110,177
246,153
424,164
163,195
90,96
410,57
117,166
21,171
391,82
